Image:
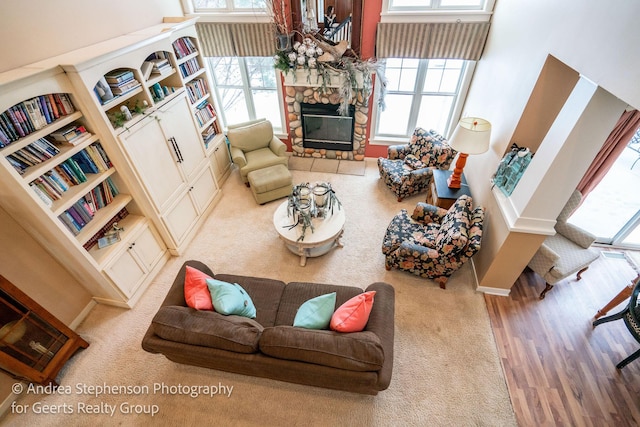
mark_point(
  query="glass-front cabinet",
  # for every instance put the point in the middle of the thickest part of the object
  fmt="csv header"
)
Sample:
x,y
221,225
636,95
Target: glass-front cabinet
x,y
34,345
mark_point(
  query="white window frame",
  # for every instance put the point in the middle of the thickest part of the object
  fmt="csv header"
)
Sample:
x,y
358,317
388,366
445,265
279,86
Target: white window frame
x,y
248,95
454,116
433,14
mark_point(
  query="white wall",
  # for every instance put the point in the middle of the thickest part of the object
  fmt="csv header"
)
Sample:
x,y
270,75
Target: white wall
x,y
34,30
598,40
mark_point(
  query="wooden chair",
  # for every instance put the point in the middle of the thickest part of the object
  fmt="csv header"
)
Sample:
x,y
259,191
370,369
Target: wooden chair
x,y
631,317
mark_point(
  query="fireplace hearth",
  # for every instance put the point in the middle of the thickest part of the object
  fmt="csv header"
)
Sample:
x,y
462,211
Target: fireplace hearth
x,y
323,127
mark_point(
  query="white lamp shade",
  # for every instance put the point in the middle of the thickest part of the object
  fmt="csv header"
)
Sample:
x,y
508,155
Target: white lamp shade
x,y
471,136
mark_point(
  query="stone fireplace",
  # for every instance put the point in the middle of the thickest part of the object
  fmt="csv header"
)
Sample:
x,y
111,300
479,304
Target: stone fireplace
x,y
300,90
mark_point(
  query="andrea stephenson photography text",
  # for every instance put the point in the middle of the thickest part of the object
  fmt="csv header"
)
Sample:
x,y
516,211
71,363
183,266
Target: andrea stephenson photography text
x,y
136,399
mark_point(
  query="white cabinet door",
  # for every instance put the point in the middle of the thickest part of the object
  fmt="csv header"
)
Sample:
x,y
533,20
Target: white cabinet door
x,y
139,255
177,122
204,189
221,160
181,217
126,272
148,248
155,162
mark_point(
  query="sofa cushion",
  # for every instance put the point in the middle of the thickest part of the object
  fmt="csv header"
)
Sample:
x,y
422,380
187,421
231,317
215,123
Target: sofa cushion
x,y
454,228
360,351
207,329
230,298
353,315
196,292
316,313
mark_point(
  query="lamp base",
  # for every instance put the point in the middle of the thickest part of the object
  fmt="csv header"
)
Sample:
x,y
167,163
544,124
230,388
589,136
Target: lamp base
x,y
454,183
455,180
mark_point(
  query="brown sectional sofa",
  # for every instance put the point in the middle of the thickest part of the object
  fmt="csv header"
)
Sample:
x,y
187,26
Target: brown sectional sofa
x,y
269,346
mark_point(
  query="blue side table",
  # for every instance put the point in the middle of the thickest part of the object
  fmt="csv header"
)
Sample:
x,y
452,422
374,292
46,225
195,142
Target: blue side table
x,y
440,194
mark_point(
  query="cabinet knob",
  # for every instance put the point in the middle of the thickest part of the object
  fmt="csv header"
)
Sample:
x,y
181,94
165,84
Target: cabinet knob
x,y
132,245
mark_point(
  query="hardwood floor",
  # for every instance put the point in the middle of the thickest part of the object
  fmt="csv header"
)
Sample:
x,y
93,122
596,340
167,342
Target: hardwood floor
x,y
561,371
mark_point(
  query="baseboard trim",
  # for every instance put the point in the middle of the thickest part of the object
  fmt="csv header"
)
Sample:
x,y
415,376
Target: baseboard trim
x,y
6,403
83,314
501,292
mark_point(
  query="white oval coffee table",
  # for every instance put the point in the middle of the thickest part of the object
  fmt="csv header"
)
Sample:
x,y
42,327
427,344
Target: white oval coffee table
x,y
325,236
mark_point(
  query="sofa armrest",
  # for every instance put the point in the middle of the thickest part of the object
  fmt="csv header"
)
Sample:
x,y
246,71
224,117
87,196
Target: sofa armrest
x,y
426,213
381,322
238,158
277,146
576,234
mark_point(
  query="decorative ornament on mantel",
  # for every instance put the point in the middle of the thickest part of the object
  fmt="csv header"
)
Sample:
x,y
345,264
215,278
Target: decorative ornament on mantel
x,y
325,59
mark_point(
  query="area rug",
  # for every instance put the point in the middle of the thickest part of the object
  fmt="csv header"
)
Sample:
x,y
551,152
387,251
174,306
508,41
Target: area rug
x,y
446,366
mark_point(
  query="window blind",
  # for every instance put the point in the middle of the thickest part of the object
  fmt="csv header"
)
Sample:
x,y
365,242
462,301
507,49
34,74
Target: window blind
x,y
236,39
443,40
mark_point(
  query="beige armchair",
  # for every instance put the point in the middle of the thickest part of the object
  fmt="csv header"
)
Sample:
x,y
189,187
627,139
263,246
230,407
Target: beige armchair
x,y
254,146
567,252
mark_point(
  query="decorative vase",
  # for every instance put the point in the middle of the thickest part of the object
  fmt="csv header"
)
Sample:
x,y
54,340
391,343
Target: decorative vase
x,y
283,42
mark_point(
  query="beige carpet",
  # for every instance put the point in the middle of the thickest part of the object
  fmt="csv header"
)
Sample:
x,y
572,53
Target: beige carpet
x,y
446,368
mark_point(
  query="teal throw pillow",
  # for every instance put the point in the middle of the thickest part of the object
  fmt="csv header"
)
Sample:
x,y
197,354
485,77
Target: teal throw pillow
x,y
230,298
316,313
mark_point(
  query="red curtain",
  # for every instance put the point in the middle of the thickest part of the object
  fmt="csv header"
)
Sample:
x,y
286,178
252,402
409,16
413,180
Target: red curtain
x,y
610,151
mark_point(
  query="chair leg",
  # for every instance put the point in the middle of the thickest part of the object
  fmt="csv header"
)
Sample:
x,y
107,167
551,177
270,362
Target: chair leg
x,y
611,318
247,184
629,359
579,273
399,198
442,281
547,288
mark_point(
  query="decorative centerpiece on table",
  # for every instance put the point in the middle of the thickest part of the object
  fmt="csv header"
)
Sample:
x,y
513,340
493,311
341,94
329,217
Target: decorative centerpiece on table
x,y
311,201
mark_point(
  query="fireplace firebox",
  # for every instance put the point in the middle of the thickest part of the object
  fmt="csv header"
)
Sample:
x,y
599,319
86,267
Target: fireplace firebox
x,y
323,127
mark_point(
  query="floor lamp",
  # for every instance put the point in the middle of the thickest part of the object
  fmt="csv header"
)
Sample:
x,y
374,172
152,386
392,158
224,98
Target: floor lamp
x,y
471,136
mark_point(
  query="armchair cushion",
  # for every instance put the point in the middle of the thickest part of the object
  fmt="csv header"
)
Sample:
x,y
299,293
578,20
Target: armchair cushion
x,y
454,228
413,162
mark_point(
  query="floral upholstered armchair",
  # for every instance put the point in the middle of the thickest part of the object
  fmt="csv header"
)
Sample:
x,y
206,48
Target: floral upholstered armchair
x,y
408,168
434,242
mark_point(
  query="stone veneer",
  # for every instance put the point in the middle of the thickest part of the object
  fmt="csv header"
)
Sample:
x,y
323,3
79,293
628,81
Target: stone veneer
x,y
314,95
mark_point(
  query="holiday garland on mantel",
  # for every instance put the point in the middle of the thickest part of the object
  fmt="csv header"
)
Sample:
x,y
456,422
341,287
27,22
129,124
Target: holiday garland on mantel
x,y
330,59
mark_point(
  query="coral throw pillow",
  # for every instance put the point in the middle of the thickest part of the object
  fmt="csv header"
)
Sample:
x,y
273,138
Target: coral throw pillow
x,y
196,291
353,315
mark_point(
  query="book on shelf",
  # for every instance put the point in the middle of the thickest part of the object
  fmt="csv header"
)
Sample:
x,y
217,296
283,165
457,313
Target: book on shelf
x,y
118,76
184,47
125,87
69,133
84,209
146,68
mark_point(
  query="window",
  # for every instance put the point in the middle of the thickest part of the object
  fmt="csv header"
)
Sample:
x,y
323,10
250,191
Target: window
x,y
426,5
226,5
246,89
421,92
